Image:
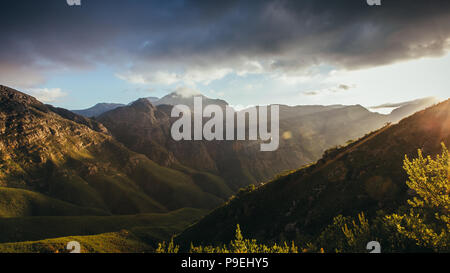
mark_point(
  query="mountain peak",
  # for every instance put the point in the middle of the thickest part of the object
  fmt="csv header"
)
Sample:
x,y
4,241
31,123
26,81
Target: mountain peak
x,y
187,98
142,104
152,99
182,96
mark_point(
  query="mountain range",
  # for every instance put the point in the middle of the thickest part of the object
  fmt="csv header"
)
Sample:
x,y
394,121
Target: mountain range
x,y
306,132
121,163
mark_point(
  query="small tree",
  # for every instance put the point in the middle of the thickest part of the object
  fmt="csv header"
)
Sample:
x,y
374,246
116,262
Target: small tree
x,y
170,248
238,244
428,221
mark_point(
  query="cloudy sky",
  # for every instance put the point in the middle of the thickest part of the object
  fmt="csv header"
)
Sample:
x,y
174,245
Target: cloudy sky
x,y
246,52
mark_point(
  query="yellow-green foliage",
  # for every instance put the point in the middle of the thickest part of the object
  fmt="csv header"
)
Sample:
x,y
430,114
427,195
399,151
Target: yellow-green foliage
x,y
428,221
238,245
357,234
422,226
346,234
113,242
170,248
19,203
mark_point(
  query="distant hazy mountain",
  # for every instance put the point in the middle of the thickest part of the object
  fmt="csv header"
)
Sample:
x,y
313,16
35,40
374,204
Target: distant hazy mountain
x,y
366,175
410,107
97,109
101,108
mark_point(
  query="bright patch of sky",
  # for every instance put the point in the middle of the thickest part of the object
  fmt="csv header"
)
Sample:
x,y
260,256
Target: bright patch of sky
x,y
372,86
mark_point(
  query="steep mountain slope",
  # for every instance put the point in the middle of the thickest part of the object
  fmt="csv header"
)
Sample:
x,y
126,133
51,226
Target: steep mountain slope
x,y
56,153
144,127
141,127
97,109
366,175
94,125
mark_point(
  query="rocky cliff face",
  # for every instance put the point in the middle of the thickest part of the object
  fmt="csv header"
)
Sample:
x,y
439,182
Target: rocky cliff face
x,y
32,134
70,158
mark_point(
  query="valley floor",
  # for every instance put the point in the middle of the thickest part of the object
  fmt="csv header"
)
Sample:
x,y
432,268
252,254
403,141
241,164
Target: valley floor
x,y
96,234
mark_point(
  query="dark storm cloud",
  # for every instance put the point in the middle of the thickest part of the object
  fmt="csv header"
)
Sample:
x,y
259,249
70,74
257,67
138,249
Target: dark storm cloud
x,y
137,36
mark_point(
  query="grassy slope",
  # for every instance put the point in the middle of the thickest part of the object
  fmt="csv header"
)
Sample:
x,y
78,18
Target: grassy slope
x,y
208,182
129,187
113,242
105,233
171,187
20,203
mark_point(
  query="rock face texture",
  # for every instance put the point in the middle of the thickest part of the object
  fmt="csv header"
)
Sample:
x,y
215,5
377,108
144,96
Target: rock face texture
x,y
73,159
